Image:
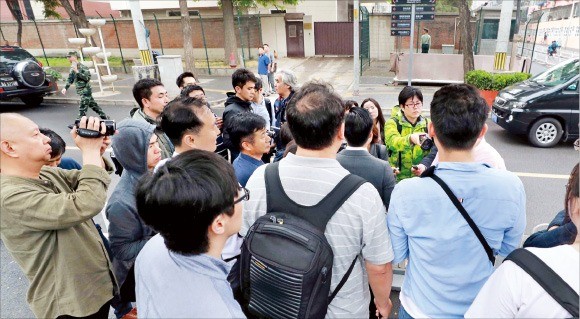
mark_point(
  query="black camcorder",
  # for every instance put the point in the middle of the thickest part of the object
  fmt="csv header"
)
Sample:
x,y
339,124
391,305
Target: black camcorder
x,y
110,126
426,142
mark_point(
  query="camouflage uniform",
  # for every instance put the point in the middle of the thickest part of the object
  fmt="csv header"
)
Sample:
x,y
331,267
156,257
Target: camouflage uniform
x,y
82,80
401,153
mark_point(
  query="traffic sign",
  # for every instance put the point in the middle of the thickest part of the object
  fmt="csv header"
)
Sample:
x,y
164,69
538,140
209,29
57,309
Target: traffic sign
x,y
418,16
401,25
418,8
395,2
401,33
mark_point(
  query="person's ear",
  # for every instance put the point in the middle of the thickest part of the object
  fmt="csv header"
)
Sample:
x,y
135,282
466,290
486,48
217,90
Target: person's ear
x,y
218,225
431,129
237,89
247,146
340,134
7,149
189,140
483,131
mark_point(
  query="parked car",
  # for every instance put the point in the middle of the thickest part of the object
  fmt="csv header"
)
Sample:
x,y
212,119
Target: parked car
x,y
544,107
22,76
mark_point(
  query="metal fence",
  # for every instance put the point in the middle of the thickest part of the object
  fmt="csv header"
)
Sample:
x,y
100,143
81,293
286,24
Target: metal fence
x,y
365,43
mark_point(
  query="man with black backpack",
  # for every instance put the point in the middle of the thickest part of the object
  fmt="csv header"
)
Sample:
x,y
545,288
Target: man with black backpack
x,y
316,235
452,222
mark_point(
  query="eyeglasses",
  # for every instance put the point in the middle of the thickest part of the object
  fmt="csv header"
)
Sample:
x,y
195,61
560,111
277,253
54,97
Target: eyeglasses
x,y
245,197
415,105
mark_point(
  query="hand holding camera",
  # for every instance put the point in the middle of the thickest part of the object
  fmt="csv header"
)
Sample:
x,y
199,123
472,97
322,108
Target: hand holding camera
x,y
88,134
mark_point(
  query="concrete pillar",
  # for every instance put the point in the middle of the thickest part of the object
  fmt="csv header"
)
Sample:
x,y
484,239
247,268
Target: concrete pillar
x,y
503,35
140,33
170,67
356,47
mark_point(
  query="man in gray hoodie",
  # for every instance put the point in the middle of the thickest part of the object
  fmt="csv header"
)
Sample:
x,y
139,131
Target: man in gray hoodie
x,y
137,150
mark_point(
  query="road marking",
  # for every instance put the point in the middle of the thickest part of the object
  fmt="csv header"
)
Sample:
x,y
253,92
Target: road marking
x,y
74,148
539,175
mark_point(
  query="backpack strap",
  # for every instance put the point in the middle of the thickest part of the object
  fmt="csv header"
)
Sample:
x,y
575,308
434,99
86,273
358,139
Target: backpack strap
x,y
430,172
318,215
546,277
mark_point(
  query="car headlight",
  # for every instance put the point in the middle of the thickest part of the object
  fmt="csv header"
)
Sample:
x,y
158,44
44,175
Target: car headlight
x,y
519,105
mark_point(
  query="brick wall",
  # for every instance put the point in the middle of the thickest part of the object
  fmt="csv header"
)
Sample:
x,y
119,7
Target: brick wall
x,y
55,33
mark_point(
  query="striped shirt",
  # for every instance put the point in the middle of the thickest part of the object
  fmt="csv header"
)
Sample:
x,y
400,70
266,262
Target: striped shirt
x,y
358,228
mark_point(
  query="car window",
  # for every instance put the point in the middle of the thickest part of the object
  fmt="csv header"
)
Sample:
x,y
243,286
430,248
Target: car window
x,y
572,87
559,74
10,56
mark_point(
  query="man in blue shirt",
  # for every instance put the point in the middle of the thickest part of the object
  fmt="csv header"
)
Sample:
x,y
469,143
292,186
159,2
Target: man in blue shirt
x,y
447,263
248,132
263,63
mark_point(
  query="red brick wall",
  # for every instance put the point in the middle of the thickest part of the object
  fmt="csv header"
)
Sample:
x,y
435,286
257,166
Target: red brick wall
x,y
440,29
54,34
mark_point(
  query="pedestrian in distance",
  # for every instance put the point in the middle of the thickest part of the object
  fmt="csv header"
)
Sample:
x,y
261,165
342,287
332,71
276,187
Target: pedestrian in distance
x,y
425,41
272,67
264,69
80,75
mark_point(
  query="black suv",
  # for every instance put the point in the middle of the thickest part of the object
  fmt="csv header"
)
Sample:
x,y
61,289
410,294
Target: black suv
x,y
22,76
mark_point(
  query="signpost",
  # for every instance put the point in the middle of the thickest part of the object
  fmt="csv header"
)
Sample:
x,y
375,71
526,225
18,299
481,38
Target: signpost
x,y
404,16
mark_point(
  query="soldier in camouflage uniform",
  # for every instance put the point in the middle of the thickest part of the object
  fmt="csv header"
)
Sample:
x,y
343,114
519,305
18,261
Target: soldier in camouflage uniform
x,y
81,76
402,133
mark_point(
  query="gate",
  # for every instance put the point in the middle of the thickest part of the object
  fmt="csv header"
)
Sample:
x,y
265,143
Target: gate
x,y
365,44
333,38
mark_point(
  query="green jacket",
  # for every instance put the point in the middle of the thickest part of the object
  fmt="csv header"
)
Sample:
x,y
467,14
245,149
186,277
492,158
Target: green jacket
x,y
82,78
401,153
165,144
46,226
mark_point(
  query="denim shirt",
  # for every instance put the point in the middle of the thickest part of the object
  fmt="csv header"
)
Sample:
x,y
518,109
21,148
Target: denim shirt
x,y
244,167
564,234
447,263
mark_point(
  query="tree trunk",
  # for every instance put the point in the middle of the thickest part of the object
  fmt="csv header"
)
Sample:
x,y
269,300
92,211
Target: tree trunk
x,y
14,8
77,15
187,37
466,37
230,43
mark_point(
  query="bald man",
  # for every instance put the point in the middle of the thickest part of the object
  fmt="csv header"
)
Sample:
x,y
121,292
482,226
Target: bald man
x,y
46,221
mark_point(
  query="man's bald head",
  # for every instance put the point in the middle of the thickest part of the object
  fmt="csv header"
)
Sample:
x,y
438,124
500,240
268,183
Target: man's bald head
x,y
23,149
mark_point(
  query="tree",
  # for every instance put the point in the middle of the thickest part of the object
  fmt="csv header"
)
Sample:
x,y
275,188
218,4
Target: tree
x,y
187,37
76,13
14,8
230,41
466,38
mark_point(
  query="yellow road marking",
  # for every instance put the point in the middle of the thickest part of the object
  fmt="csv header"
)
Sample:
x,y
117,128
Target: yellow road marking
x,y
540,175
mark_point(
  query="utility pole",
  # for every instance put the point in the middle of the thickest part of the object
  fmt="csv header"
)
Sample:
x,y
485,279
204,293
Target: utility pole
x,y
356,47
140,33
503,35
516,31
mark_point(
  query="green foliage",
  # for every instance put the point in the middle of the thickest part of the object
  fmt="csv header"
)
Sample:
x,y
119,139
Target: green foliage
x,y
484,80
50,8
54,73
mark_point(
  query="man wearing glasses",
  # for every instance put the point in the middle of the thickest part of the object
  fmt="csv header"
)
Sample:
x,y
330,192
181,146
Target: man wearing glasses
x,y
405,132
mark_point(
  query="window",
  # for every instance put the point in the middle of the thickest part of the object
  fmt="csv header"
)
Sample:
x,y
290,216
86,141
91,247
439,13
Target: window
x,y
490,29
178,13
273,11
292,31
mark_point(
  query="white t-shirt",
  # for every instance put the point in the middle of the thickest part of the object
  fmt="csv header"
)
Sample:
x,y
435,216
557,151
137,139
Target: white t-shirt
x,y
511,293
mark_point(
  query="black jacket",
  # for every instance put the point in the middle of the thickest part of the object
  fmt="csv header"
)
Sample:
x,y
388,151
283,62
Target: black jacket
x,y
234,105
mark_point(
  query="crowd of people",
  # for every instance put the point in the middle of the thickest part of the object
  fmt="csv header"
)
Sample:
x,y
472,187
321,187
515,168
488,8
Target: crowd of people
x,y
217,217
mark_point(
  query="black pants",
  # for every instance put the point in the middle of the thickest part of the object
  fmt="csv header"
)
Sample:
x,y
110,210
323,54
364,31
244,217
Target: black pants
x,y
103,313
424,48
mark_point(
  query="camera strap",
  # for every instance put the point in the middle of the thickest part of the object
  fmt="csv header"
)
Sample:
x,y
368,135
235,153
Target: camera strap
x,y
430,172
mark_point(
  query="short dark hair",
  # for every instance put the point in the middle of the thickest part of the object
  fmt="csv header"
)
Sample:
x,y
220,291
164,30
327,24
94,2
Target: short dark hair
x,y
314,115
241,76
408,92
57,144
180,116
258,84
458,113
285,134
348,104
182,76
244,125
142,89
190,88
191,190
358,125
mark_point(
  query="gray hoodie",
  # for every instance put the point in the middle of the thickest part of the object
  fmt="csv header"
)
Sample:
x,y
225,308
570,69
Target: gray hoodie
x,y
127,232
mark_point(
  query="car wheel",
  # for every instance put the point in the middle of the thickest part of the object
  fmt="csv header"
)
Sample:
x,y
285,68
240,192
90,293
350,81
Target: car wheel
x,y
545,132
33,100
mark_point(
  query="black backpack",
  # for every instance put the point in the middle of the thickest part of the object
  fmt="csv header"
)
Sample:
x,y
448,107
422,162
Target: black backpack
x,y
286,261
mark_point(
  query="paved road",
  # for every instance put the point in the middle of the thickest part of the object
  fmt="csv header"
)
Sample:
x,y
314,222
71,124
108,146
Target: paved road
x,y
543,172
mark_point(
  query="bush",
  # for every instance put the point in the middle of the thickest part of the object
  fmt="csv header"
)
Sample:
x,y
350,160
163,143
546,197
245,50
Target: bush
x,y
54,73
484,80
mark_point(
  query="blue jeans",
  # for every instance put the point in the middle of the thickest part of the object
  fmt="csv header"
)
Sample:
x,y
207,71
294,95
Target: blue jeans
x,y
403,314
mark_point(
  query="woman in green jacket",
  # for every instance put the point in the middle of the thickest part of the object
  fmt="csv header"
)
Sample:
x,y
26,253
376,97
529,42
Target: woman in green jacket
x,y
404,133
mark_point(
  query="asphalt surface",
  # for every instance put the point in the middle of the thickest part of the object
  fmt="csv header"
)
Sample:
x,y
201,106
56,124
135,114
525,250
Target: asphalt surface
x,y
543,171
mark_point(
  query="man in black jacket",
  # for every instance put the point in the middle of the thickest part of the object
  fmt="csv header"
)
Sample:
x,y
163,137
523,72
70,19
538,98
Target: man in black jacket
x,y
244,83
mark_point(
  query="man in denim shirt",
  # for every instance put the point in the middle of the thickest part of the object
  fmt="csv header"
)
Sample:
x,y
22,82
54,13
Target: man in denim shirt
x,y
447,263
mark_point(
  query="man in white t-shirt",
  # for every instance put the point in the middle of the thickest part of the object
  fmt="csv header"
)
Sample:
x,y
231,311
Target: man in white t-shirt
x,y
358,228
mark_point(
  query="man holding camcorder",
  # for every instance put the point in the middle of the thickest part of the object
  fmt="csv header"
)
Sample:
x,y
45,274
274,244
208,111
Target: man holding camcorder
x,y
46,219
